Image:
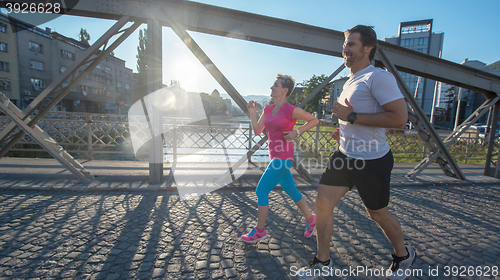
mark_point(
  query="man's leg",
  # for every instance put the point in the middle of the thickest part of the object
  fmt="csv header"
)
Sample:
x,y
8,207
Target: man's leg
x,y
327,199
391,228
334,184
404,256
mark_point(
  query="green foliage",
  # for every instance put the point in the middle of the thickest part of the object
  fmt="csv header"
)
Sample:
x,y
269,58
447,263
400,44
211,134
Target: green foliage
x,y
142,52
142,65
309,86
84,36
495,66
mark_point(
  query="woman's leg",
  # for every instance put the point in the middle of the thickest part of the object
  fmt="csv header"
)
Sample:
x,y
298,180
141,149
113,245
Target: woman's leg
x,y
290,188
267,182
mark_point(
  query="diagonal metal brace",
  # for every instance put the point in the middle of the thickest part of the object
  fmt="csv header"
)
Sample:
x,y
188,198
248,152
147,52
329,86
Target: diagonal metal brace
x,y
450,139
69,73
433,141
217,74
44,140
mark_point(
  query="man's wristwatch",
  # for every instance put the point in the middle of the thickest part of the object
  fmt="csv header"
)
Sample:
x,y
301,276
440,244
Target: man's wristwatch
x,y
351,117
298,132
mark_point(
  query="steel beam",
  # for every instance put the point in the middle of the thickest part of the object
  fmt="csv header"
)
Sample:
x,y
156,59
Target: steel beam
x,y
299,167
285,33
49,144
450,139
53,88
59,94
68,74
433,141
154,59
488,170
224,82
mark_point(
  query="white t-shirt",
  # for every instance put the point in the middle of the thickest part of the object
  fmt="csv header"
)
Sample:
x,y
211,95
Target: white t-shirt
x,y
367,90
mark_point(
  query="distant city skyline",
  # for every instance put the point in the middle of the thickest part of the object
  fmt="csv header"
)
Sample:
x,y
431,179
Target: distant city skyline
x,y
252,67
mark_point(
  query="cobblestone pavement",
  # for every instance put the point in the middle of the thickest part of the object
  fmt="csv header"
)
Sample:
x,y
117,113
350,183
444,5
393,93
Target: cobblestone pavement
x,y
154,235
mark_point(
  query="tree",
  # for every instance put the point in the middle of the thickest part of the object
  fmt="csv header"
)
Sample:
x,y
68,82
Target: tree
x,y
84,36
142,66
494,66
309,86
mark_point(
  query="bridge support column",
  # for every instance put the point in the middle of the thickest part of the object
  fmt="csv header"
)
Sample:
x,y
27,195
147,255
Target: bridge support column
x,y
154,59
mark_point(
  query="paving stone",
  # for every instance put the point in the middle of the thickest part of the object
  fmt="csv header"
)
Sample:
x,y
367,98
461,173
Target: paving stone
x,y
201,264
451,225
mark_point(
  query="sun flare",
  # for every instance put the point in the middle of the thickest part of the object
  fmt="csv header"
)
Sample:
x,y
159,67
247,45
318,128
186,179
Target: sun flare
x,y
188,71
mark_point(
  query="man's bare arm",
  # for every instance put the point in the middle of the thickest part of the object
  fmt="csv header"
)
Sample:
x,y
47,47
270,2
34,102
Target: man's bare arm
x,y
395,115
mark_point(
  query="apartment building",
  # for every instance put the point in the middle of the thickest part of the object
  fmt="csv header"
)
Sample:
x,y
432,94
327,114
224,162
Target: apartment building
x,y
39,56
9,72
418,36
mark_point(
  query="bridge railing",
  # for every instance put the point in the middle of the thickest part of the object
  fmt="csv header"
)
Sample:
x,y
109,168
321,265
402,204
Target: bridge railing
x,y
99,136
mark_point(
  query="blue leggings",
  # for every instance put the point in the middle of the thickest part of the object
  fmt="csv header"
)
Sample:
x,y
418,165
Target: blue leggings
x,y
278,171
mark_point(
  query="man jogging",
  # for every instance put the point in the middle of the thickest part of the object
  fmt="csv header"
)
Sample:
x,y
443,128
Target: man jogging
x,y
370,102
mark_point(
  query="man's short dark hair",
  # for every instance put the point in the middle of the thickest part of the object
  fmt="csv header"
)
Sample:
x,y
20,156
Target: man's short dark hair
x,y
367,35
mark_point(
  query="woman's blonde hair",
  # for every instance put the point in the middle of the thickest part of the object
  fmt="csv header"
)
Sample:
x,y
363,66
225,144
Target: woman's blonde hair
x,y
286,82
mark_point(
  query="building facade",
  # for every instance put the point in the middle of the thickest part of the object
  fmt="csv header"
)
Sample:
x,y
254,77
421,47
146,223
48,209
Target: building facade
x,y
469,99
43,55
9,72
336,88
418,36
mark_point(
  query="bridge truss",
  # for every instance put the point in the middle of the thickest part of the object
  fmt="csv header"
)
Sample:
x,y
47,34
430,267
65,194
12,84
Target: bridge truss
x,y
184,16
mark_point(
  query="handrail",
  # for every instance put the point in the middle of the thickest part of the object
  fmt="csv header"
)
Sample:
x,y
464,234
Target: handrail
x,y
95,136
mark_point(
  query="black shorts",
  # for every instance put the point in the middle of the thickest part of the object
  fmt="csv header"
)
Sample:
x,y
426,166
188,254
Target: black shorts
x,y
372,177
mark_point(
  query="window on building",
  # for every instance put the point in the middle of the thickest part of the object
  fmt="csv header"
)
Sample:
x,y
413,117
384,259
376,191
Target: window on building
x,y
37,83
3,27
127,76
127,86
100,66
75,88
108,81
3,47
68,55
4,84
100,79
4,66
36,65
119,84
107,70
63,69
35,47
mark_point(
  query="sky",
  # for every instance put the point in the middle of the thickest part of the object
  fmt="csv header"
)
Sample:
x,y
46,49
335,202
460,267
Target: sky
x,y
470,31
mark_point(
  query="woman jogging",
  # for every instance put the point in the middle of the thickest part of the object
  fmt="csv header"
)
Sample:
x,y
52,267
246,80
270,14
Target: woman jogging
x,y
279,120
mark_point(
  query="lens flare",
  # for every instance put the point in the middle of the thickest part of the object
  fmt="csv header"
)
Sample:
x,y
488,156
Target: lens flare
x,y
164,100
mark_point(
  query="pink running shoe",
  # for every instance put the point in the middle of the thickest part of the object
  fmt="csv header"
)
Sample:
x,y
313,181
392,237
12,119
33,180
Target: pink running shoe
x,y
310,228
254,236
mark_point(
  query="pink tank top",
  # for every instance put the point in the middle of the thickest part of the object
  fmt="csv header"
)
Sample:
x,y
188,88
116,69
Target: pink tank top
x,y
275,125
